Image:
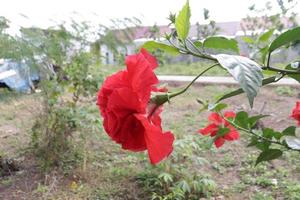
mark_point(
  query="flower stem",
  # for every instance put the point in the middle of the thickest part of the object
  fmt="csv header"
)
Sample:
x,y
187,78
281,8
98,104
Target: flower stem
x,y
163,98
174,94
261,137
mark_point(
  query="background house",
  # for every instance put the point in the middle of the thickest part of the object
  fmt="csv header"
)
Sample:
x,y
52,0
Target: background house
x,y
235,29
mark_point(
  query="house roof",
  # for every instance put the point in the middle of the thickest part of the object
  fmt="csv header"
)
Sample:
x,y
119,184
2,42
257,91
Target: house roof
x,y
230,29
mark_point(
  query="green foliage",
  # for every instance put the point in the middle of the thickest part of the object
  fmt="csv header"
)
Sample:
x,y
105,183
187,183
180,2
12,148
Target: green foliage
x,y
56,135
265,37
293,191
269,154
285,38
173,179
182,22
152,45
245,71
222,43
52,139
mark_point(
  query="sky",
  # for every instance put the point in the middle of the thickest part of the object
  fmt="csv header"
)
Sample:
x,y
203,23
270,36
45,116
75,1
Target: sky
x,y
44,13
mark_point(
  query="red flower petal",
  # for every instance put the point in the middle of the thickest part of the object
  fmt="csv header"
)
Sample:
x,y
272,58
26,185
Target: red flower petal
x,y
233,134
112,82
210,129
296,112
215,118
229,114
159,144
140,76
151,59
219,142
124,101
132,134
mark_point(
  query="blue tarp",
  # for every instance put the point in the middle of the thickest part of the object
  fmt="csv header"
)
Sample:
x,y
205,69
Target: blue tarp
x,y
22,81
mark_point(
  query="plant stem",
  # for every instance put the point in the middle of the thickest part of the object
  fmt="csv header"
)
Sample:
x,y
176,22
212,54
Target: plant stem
x,y
261,137
280,70
163,98
174,94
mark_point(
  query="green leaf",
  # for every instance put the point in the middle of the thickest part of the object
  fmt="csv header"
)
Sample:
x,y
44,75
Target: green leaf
x,y
184,186
263,145
221,43
253,142
221,132
166,177
285,38
198,43
153,45
241,119
294,76
190,45
248,40
182,22
252,120
268,155
240,91
270,133
263,54
217,107
266,36
245,71
291,131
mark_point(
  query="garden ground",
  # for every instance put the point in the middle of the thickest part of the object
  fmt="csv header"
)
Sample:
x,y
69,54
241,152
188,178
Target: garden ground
x,y
112,173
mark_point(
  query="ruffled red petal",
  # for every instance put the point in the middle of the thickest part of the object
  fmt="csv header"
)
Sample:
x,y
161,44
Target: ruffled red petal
x,y
151,59
159,144
210,129
229,114
232,135
140,76
215,118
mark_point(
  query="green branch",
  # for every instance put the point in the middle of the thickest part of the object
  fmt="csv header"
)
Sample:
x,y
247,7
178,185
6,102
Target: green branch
x,y
163,98
261,137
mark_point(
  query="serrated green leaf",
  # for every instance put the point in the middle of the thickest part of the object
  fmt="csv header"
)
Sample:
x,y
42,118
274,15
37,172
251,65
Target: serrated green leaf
x,y
240,91
266,36
252,120
221,43
241,119
291,131
245,71
263,145
268,155
270,133
182,22
285,38
153,45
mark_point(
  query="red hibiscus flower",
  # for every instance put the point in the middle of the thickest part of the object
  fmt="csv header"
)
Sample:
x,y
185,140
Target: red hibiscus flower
x,y
296,112
129,118
216,122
